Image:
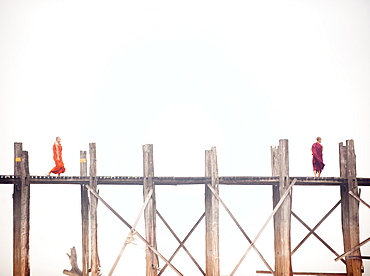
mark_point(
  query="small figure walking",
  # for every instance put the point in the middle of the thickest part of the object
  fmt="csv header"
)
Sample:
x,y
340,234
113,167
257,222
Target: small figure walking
x,y
57,154
317,161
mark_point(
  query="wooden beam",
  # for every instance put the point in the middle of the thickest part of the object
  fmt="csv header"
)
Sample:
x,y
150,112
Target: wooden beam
x,y
21,213
85,206
275,171
308,273
350,206
212,216
152,264
282,219
177,181
359,257
95,263
17,210
359,199
352,249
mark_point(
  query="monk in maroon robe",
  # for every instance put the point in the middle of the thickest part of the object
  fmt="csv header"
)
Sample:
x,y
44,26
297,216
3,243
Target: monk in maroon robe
x,y
317,161
57,154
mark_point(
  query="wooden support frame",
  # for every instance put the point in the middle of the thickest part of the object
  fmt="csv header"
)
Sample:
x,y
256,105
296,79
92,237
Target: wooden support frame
x,y
350,206
152,263
348,182
212,216
21,213
95,263
240,228
85,220
95,194
277,207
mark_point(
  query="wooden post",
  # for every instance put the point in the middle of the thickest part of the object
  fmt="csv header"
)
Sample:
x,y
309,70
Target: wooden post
x,y
150,211
212,215
84,217
350,207
282,218
21,213
95,264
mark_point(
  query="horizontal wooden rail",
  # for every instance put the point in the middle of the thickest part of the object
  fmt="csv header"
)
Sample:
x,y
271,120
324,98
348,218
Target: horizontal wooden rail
x,y
224,180
308,273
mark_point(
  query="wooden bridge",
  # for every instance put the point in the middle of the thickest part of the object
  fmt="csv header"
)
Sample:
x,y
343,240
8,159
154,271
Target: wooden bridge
x,y
280,181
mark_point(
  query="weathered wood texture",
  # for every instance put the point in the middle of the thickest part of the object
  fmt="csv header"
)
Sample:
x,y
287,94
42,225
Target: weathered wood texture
x,y
282,218
95,263
212,215
350,207
150,211
21,213
75,271
85,217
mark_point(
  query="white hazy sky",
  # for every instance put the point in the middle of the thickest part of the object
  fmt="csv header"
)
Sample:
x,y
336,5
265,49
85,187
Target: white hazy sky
x,y
184,76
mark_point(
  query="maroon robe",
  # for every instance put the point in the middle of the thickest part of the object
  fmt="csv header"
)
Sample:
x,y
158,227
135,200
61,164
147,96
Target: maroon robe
x,y
317,162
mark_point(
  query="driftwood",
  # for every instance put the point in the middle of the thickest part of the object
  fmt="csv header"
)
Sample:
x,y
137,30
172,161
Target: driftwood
x,y
75,271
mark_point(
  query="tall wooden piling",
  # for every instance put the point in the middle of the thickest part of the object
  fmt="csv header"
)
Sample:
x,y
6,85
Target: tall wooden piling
x,y
282,218
21,213
150,211
350,207
212,215
84,217
95,264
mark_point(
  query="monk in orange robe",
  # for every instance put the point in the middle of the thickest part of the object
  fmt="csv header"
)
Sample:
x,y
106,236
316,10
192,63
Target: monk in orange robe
x,y
317,161
57,151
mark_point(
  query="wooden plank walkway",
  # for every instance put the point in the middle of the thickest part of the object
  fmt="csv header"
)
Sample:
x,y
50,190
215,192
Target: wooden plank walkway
x,y
169,180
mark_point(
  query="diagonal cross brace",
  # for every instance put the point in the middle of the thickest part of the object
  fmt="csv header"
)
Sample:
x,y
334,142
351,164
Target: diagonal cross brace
x,y
132,231
240,228
317,236
278,205
352,249
312,231
181,243
129,226
359,199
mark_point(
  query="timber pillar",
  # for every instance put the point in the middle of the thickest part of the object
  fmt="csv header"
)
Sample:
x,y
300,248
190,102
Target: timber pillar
x,y
150,211
350,206
85,217
95,262
212,216
282,218
21,213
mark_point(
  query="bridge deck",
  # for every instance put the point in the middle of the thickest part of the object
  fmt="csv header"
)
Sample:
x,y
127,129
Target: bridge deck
x,y
224,180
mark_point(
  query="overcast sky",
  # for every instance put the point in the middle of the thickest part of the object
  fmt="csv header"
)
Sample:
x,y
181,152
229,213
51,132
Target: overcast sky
x,y
184,76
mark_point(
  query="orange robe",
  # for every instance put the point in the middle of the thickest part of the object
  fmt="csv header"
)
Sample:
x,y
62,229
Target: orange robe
x,y
59,165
